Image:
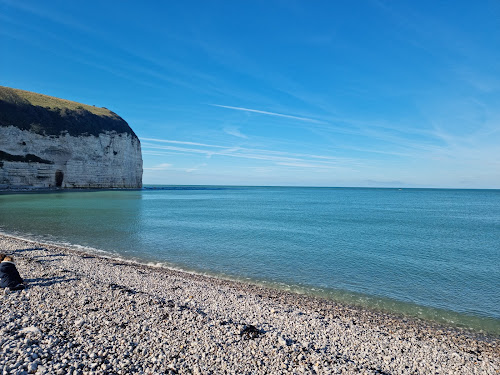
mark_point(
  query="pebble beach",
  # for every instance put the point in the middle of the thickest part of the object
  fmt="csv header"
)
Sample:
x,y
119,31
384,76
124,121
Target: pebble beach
x,y
87,314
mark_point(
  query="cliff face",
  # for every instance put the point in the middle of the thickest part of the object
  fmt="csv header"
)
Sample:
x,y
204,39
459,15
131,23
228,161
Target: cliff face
x,y
47,142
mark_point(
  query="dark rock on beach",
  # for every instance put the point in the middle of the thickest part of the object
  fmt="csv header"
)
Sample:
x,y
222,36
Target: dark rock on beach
x,y
85,315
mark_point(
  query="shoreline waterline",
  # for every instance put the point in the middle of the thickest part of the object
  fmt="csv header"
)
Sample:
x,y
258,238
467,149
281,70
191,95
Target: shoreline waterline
x,y
94,314
470,325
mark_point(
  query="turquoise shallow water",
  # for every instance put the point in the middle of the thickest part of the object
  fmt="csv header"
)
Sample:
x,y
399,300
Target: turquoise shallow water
x,y
423,252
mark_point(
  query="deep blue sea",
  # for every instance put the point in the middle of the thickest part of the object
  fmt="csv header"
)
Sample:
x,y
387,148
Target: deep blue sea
x,y
432,253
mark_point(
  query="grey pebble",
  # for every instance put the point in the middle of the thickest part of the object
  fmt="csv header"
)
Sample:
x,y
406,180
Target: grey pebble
x,y
85,314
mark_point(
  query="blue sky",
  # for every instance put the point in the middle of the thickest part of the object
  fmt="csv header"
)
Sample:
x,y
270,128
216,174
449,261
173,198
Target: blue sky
x,y
311,93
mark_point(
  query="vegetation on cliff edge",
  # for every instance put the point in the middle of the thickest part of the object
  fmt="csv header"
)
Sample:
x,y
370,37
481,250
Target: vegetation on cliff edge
x,y
48,115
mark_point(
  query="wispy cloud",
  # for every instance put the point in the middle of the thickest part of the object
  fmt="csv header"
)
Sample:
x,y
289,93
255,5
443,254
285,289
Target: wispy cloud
x,y
130,66
232,130
481,81
149,146
196,168
306,165
180,142
66,19
78,54
299,160
307,119
395,135
160,167
170,167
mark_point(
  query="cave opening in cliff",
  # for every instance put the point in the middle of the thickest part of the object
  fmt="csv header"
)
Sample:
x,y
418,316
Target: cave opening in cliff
x,y
59,178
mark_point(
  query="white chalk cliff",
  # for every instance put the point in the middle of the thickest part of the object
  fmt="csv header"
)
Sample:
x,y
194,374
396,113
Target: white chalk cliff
x,y
65,148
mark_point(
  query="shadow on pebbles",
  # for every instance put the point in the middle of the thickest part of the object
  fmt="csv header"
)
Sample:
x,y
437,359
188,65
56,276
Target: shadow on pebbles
x,y
83,314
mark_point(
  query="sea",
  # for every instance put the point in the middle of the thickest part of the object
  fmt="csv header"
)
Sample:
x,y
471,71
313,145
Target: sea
x,y
433,254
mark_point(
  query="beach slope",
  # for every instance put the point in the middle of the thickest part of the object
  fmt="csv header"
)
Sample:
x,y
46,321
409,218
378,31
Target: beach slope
x,y
84,314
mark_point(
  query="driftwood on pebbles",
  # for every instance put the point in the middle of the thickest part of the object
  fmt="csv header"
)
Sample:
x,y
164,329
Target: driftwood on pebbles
x,y
86,314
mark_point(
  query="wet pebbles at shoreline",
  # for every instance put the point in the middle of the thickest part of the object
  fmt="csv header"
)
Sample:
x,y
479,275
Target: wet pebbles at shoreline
x,y
83,314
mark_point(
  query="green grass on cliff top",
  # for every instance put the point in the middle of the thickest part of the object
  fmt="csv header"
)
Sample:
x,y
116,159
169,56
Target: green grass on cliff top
x,y
47,115
17,96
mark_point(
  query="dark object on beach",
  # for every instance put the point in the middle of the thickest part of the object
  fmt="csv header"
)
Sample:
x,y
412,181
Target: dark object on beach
x,y
9,276
250,332
122,288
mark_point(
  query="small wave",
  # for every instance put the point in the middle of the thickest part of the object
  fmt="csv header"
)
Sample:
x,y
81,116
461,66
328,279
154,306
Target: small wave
x,y
476,323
